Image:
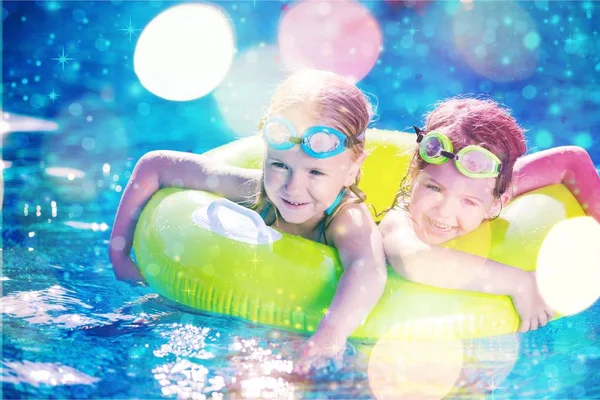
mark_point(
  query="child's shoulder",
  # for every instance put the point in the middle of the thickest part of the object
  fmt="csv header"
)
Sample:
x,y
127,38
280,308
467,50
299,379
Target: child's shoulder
x,y
395,218
354,234
352,217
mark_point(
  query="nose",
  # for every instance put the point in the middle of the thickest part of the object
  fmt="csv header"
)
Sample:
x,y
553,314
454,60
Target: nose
x,y
294,183
447,207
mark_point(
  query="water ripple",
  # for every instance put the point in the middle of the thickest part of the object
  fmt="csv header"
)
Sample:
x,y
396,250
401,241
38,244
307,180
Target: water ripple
x,y
38,373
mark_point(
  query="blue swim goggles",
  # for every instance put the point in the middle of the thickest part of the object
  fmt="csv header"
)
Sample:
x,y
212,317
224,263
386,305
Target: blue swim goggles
x,y
316,141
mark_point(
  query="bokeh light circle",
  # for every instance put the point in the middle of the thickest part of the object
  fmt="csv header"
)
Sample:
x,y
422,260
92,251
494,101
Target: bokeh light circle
x,y
75,109
102,44
340,36
568,265
246,92
185,52
543,139
532,40
529,92
583,139
497,39
414,368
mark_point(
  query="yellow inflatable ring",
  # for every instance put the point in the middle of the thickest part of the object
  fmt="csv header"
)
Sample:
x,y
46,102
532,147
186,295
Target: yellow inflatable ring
x,y
289,281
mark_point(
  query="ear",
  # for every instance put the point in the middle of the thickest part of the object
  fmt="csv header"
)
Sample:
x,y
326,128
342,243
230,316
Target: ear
x,y
498,205
354,168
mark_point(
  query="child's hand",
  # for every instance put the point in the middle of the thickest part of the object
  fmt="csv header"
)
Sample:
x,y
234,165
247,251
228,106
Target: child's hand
x,y
318,353
530,305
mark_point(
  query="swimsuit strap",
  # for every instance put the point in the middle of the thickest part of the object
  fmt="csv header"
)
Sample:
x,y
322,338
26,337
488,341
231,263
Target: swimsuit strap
x,y
265,211
322,231
336,202
330,210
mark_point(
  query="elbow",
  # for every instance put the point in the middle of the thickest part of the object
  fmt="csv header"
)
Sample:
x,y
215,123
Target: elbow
x,y
577,156
575,151
150,160
577,165
148,168
147,161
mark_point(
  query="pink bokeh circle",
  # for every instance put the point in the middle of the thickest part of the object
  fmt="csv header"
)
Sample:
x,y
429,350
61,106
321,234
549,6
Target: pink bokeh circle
x,y
492,38
340,36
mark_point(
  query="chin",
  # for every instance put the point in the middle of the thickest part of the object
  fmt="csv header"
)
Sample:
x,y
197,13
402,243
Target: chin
x,y
291,217
437,240
294,219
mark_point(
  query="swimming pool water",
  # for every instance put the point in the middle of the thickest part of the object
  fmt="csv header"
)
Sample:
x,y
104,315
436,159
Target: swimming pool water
x,y
71,330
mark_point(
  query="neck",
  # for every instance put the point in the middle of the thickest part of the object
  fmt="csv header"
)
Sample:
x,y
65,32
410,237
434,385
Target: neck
x,y
308,229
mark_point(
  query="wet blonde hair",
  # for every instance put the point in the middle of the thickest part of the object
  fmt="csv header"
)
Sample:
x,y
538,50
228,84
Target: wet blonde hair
x,y
472,121
333,101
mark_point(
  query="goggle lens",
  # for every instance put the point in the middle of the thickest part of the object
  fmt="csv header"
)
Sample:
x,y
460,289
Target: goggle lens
x,y
323,142
432,146
477,162
317,141
473,161
277,133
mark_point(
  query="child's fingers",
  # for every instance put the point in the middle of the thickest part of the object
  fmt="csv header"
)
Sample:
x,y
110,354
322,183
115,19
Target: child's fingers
x,y
317,366
305,364
549,311
524,325
542,318
533,325
301,367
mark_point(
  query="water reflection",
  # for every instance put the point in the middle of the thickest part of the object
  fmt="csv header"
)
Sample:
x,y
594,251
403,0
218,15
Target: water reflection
x,y
38,373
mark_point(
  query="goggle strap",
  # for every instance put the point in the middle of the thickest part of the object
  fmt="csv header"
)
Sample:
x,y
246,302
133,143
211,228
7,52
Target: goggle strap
x,y
360,137
449,155
352,140
420,133
501,168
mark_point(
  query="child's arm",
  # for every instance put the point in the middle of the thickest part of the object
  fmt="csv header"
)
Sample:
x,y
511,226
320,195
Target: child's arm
x,y
359,244
570,165
437,266
159,169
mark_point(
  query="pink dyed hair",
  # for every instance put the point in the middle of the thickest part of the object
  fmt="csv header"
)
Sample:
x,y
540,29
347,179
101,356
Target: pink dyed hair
x,y
473,121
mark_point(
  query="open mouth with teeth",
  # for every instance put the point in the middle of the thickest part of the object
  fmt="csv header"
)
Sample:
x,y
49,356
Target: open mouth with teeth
x,y
292,204
439,227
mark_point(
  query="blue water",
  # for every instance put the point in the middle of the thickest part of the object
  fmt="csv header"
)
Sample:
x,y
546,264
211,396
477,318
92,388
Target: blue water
x,y
70,330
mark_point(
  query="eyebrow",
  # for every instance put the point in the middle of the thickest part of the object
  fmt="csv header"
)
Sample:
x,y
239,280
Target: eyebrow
x,y
466,195
436,182
318,168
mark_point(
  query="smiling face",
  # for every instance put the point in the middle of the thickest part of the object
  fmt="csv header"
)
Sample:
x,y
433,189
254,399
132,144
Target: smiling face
x,y
303,187
446,204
